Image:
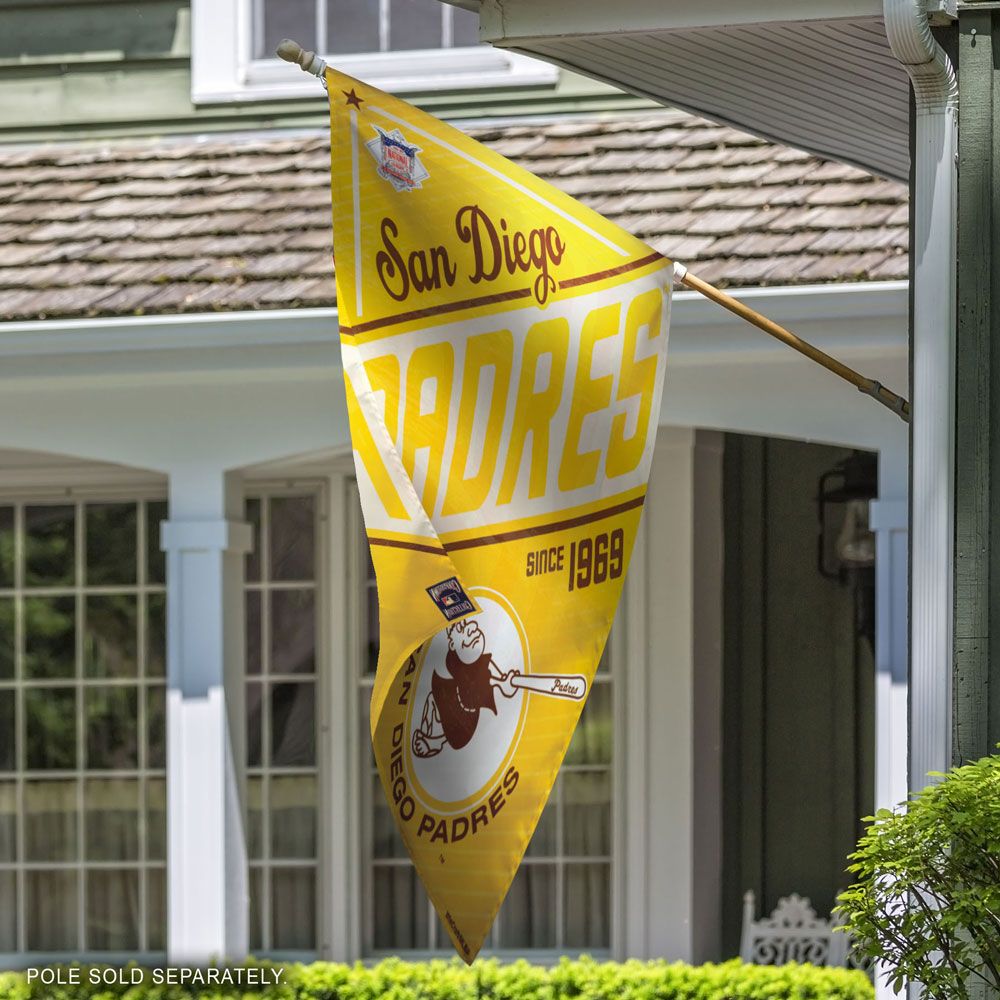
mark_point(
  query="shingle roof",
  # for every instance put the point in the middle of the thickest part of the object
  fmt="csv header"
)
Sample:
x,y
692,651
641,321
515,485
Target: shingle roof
x,y
231,223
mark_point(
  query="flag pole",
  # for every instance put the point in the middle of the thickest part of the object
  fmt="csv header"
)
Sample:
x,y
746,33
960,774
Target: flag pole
x,y
311,63
869,386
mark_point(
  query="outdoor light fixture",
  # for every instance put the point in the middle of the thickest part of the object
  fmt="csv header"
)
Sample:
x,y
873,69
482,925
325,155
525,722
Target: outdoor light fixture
x,y
852,483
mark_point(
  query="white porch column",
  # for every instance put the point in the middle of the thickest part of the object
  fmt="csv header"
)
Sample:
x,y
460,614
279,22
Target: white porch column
x,y
207,886
672,830
889,519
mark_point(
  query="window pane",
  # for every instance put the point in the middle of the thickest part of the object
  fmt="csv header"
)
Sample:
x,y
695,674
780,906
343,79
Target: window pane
x,y
156,558
7,638
254,721
51,909
156,819
255,818
293,816
528,916
293,538
285,19
400,909
587,813
257,876
49,546
253,556
156,635
156,726
109,639
49,637
112,728
386,841
591,743
293,908
544,841
464,27
364,726
293,727
8,822
293,632
156,909
254,641
113,910
6,546
111,543
352,26
371,596
50,817
587,905
8,760
111,819
415,24
8,912
604,665
50,721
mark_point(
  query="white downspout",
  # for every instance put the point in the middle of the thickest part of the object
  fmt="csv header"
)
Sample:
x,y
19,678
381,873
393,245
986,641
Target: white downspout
x,y
935,89
932,462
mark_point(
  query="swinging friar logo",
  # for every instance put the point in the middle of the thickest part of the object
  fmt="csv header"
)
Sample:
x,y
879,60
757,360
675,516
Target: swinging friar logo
x,y
465,696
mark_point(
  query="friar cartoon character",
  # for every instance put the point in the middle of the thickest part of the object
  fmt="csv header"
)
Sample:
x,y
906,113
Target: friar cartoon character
x,y
451,711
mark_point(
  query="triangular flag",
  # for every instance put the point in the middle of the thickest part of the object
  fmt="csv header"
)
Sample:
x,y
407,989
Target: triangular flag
x,y
504,350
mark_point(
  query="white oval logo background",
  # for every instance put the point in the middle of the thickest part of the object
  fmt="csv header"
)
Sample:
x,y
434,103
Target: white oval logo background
x,y
452,776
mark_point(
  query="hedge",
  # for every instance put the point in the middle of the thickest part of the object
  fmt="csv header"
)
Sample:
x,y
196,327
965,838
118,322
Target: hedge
x,y
584,979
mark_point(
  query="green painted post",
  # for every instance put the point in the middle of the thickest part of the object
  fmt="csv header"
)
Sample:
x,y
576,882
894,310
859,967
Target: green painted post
x,y
976,676
976,666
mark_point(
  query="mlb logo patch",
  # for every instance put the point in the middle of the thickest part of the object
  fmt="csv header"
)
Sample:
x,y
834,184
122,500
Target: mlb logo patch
x,y
450,598
398,160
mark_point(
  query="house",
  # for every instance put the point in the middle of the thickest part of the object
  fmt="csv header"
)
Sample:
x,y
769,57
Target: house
x,y
187,613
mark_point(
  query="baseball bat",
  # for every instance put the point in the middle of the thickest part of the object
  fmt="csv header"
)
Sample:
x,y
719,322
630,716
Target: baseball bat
x,y
571,686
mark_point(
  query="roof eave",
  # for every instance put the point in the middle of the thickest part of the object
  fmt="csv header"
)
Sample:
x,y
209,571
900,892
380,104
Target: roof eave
x,y
504,22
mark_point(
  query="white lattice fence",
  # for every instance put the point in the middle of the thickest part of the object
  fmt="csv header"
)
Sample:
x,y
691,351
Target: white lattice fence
x,y
793,933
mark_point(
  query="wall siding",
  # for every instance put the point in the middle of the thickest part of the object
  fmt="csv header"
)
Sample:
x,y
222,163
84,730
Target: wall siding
x,y
83,68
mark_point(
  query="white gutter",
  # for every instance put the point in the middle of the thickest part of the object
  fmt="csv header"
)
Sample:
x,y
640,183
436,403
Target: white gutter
x,y
932,462
181,331
834,305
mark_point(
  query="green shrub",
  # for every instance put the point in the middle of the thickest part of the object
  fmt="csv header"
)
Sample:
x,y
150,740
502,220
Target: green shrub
x,y
489,980
927,897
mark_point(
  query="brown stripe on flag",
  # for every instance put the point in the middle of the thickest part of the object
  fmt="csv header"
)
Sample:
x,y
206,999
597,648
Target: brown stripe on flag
x,y
393,543
545,529
446,307
632,265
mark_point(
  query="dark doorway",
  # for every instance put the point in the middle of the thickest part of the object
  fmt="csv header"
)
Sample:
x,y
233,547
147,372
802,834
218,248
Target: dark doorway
x,y
798,673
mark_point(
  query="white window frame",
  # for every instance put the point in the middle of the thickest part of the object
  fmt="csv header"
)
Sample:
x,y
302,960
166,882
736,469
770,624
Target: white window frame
x,y
341,738
43,485
223,70
314,486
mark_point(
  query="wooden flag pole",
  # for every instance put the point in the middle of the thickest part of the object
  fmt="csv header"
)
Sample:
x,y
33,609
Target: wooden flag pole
x,y
869,386
311,63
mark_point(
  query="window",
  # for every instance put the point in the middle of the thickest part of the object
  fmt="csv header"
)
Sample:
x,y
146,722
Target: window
x,y
397,45
82,729
281,698
347,27
560,900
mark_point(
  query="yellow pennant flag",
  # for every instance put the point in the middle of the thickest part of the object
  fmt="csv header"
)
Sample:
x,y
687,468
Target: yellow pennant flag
x,y
503,351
